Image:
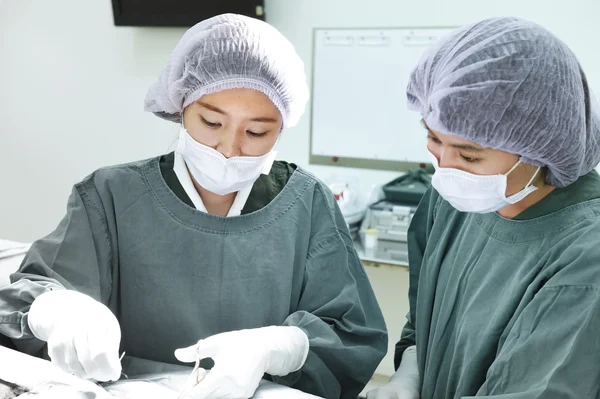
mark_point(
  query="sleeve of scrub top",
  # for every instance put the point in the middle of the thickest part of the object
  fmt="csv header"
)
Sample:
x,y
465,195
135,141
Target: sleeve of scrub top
x,y
75,256
340,315
418,233
552,351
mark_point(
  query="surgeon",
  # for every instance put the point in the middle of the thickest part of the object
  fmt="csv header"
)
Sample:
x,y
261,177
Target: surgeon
x,y
504,249
214,253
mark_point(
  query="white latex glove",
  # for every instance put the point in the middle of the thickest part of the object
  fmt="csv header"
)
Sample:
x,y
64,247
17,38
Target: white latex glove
x,y
83,335
405,382
242,358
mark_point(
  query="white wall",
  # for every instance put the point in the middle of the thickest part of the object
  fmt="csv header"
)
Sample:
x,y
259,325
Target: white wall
x,y
72,88
72,85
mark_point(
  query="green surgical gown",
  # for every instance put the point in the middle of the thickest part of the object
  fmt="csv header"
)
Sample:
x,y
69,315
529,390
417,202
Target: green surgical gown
x,y
507,309
173,275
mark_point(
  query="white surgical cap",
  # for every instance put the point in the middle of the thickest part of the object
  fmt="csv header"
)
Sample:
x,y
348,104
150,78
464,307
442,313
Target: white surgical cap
x,y
511,85
231,51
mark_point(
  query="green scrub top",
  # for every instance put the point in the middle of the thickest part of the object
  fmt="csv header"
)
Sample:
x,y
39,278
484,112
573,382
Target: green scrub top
x,y
173,275
507,308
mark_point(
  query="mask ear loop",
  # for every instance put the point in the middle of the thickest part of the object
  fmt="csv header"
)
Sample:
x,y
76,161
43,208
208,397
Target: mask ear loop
x,y
530,180
533,177
513,168
526,187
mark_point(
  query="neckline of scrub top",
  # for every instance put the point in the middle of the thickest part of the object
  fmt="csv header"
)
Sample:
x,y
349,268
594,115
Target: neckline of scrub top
x,y
181,212
586,188
183,175
265,189
543,227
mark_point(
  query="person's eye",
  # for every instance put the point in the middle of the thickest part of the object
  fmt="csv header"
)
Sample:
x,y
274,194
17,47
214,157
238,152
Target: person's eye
x,y
434,139
469,159
210,124
253,134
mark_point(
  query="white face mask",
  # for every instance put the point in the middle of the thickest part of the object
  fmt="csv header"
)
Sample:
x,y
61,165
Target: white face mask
x,y
474,193
218,174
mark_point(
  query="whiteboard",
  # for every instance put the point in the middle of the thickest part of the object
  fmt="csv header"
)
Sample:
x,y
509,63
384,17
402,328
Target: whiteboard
x,y
359,114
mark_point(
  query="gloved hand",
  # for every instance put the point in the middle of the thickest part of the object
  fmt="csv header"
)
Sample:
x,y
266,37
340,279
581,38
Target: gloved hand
x,y
242,358
405,383
83,335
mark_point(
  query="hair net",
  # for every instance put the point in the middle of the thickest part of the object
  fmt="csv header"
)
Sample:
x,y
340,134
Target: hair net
x,y
230,51
511,85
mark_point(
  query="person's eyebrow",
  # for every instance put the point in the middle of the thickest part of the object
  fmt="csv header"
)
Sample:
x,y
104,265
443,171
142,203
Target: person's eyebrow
x,y
264,119
464,147
468,148
212,108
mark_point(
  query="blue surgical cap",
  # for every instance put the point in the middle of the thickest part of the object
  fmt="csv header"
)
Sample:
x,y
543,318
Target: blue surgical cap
x,y
231,51
511,85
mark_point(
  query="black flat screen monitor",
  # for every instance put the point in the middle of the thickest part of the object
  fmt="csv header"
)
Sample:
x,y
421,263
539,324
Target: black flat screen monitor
x,y
180,13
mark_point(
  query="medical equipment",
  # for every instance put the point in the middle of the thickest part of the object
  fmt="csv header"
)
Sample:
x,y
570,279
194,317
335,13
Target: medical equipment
x,y
345,192
242,358
159,386
371,236
391,219
408,188
32,377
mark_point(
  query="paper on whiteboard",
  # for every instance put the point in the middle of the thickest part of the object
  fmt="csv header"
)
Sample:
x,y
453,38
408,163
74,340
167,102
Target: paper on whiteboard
x,y
359,94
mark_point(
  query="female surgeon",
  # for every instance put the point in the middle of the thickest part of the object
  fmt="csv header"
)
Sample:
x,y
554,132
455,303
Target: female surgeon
x,y
215,250
504,249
